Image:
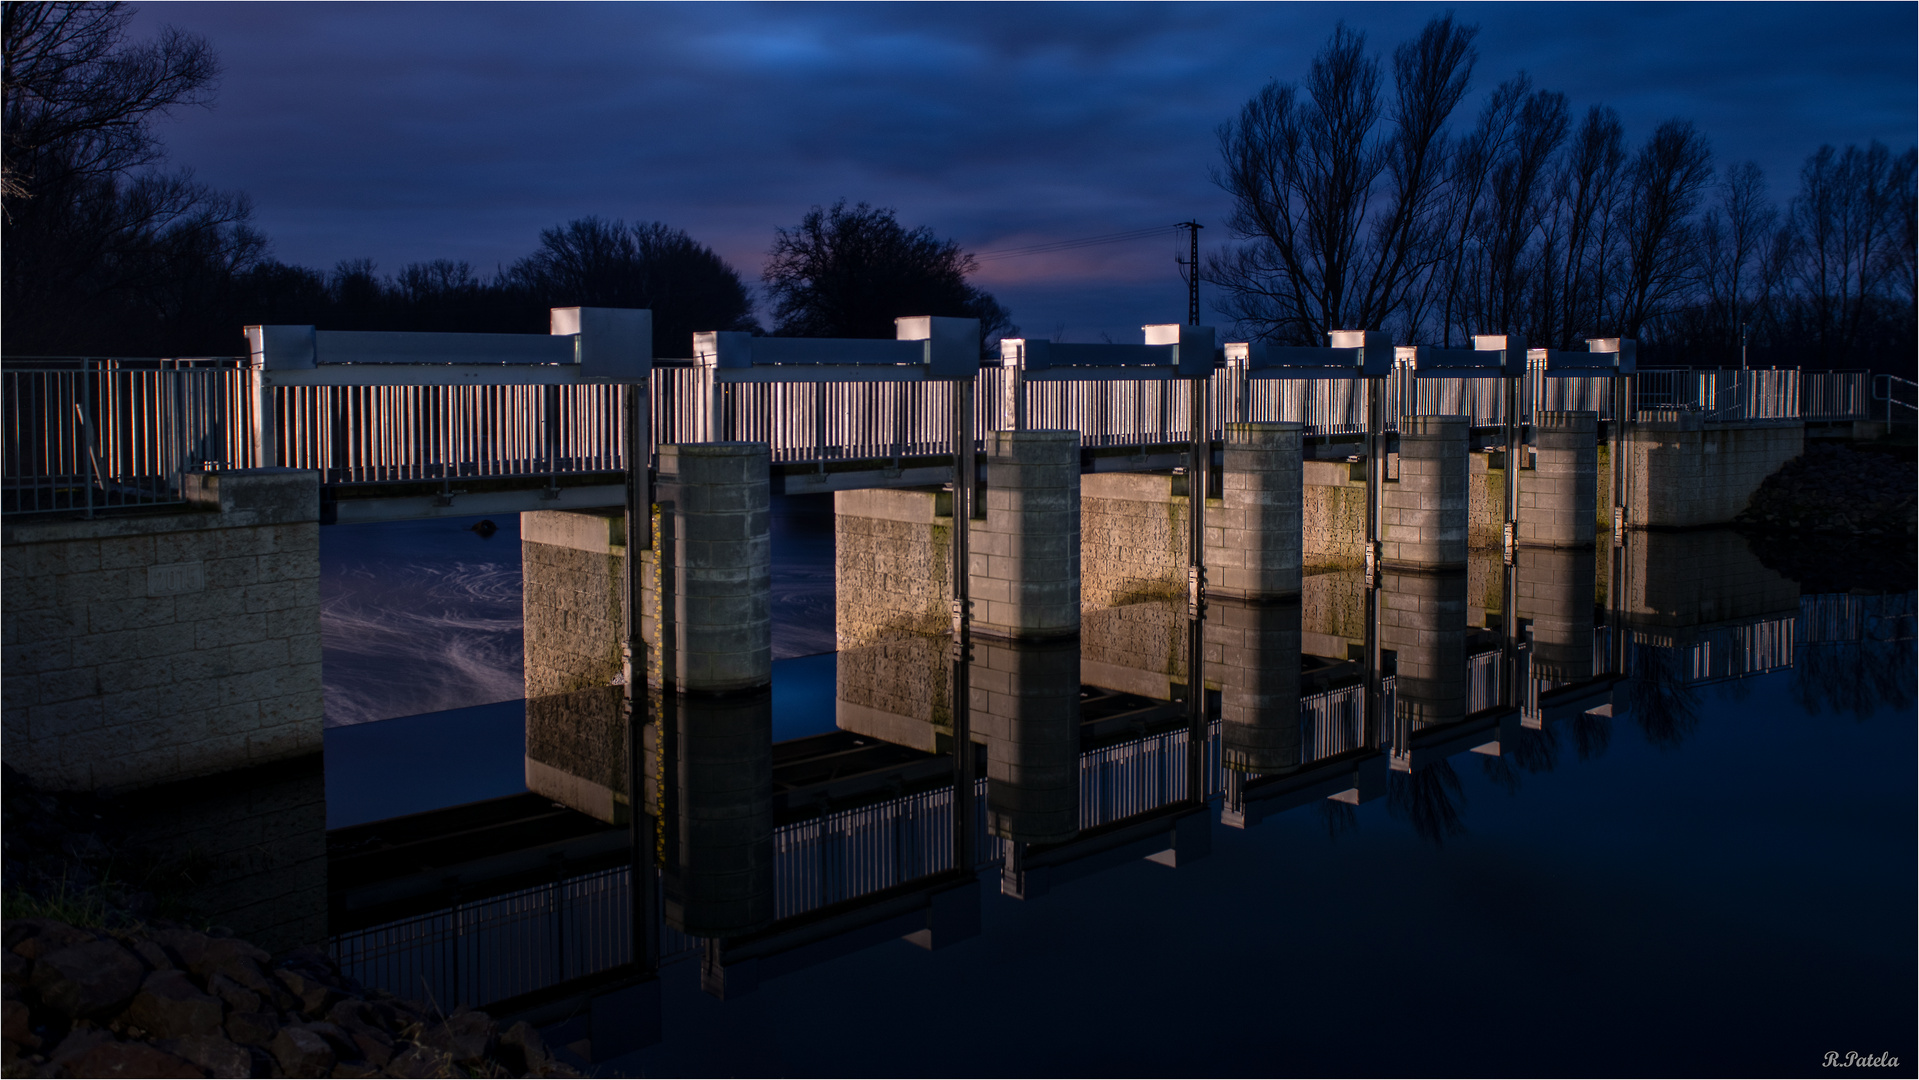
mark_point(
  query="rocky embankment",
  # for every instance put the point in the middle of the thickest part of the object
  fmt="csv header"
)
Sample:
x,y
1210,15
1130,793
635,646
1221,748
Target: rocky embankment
x,y
131,993
1835,490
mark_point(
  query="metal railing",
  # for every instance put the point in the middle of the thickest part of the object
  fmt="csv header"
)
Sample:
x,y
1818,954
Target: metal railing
x,y
1835,395
94,434
1898,398
850,853
500,947
1718,395
83,434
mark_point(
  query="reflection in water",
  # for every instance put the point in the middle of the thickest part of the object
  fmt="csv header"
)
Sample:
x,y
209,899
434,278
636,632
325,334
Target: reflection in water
x,y
1025,704
762,859
718,754
1659,697
1430,799
1253,652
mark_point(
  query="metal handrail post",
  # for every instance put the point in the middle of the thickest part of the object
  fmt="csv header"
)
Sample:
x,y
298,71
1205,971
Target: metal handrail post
x,y
1198,464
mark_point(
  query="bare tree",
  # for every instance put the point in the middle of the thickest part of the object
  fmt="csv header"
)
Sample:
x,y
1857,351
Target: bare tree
x,y
79,100
1339,210
99,245
1738,249
1657,235
1851,229
1584,220
1513,149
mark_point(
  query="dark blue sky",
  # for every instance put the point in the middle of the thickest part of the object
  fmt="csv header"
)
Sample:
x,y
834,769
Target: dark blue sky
x,y
411,132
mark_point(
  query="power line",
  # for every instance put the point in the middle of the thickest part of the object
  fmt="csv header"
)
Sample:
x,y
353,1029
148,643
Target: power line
x,y
1069,245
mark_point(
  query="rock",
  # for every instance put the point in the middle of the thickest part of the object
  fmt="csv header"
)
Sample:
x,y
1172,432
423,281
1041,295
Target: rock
x,y
15,970
301,1052
153,955
252,1028
170,1006
16,1025
355,1069
34,938
522,1050
83,1039
464,1036
93,978
418,1061
351,1013
220,953
188,945
315,997
343,1045
237,997
373,1047
211,1054
246,972
129,1059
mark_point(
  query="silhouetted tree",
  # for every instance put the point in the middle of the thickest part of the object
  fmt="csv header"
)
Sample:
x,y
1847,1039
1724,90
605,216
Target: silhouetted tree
x,y
598,263
100,249
850,272
1852,257
1659,250
1342,214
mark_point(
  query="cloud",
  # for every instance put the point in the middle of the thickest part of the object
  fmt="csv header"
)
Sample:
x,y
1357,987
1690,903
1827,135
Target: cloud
x,y
410,132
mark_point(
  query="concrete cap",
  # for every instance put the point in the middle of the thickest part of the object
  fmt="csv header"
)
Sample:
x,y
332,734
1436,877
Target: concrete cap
x,y
1442,426
1265,433
717,449
1567,421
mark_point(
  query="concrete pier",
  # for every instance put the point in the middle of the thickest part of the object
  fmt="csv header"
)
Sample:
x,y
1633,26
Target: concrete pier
x,y
1252,651
1423,517
572,603
1422,621
719,770
1556,588
1025,706
1253,542
1559,497
1025,557
161,646
711,588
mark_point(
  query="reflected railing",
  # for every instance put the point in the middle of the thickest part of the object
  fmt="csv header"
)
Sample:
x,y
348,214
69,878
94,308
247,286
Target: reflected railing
x,y
887,844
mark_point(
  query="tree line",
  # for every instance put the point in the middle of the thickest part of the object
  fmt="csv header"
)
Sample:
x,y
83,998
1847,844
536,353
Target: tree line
x,y
107,253
1358,202
1359,199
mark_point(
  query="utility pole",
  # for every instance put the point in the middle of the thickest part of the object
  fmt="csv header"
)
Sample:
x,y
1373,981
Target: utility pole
x,y
1192,272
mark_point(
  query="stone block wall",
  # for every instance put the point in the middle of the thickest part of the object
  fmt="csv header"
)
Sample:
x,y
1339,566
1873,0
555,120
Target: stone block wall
x,y
1685,473
1133,538
143,649
893,553
1333,515
573,564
